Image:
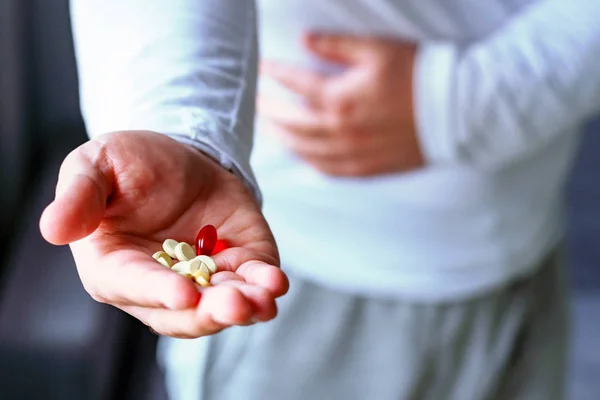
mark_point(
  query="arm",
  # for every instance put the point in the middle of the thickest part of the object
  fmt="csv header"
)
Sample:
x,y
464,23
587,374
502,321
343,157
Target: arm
x,y
510,93
186,69
181,67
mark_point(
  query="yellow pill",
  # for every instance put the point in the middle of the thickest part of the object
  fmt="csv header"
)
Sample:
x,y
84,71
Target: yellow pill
x,y
169,246
201,281
202,272
184,252
163,258
209,262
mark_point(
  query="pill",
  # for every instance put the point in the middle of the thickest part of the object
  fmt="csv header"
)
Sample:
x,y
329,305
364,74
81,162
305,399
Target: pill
x,y
163,258
194,265
209,262
206,239
202,271
184,252
169,246
220,246
182,267
201,281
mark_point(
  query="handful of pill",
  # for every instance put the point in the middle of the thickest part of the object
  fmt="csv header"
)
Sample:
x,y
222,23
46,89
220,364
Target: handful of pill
x,y
183,259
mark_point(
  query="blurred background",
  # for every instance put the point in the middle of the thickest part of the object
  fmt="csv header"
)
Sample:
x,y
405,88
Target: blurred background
x,y
55,342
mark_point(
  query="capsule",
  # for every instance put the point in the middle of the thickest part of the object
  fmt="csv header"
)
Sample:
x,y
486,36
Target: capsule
x,y
206,239
221,245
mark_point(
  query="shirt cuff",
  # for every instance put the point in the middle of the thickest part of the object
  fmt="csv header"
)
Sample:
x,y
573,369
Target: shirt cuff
x,y
435,116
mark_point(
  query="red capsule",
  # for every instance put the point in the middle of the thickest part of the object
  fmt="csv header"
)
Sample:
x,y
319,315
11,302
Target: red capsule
x,y
220,246
206,239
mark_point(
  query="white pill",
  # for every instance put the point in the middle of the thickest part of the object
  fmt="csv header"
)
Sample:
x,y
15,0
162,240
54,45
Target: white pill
x,y
184,252
163,258
182,267
194,265
169,246
209,262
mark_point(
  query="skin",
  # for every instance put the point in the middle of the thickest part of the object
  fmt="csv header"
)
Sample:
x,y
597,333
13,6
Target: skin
x,y
120,196
356,123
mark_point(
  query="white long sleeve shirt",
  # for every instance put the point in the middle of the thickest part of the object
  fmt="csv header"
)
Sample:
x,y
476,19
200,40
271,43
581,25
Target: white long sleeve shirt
x,y
501,89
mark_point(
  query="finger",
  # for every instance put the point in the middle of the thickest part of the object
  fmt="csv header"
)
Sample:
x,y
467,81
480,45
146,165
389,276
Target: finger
x,y
255,268
335,147
359,167
221,307
132,278
84,185
343,49
262,301
300,119
300,80
264,275
224,276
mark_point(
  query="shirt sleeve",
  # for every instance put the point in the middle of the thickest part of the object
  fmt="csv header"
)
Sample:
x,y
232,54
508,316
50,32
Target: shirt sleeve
x,y
507,95
184,68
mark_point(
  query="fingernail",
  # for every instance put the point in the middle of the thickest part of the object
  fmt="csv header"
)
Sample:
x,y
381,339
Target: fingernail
x,y
250,322
220,321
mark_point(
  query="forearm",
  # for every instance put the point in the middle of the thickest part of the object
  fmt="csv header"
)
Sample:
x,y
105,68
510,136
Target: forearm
x,y
181,67
514,91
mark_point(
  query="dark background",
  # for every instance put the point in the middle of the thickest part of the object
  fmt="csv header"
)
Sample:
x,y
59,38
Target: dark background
x,y
55,343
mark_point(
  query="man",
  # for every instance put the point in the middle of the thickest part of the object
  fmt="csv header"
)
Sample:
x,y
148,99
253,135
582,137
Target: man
x,y
462,266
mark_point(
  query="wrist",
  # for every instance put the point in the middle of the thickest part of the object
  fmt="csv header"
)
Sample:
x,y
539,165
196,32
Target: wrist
x,y
224,160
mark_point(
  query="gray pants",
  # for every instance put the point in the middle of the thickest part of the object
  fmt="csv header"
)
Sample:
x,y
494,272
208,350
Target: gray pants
x,y
508,344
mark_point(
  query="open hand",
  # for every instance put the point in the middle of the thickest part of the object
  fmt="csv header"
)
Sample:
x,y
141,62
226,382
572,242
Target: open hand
x,y
356,123
120,196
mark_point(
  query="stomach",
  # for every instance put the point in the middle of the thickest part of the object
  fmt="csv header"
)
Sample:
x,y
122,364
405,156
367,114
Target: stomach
x,y
453,215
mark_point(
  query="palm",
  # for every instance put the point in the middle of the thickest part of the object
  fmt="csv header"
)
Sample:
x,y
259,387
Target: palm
x,y
162,189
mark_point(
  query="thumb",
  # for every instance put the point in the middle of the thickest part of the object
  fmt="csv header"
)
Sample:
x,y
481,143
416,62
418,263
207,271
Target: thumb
x,y
343,49
84,185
